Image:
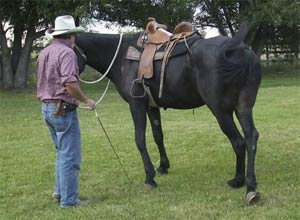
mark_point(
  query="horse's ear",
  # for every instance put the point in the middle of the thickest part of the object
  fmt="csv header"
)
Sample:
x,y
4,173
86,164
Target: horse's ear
x,y
77,21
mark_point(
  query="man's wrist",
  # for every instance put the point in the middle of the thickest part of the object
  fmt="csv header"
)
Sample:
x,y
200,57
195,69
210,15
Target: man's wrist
x,y
86,100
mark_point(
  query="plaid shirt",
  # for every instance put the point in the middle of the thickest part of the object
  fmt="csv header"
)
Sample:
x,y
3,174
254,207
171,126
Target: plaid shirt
x,y
57,65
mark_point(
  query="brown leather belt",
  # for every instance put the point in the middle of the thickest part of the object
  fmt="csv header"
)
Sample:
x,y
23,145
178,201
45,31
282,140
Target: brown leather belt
x,y
62,107
51,100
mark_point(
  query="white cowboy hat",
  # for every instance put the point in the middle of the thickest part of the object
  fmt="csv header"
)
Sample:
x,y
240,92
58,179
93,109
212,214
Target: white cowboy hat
x,y
64,25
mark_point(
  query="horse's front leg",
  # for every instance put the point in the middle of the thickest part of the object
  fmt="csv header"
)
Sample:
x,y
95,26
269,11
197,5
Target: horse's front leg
x,y
138,111
155,119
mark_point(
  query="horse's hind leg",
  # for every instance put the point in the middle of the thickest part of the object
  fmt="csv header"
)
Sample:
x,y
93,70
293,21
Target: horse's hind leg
x,y
251,136
226,122
155,119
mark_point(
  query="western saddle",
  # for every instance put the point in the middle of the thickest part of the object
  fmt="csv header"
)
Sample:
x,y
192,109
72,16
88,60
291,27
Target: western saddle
x,y
152,39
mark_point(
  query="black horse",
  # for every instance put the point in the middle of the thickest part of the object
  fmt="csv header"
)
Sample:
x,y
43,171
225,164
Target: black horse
x,y
222,73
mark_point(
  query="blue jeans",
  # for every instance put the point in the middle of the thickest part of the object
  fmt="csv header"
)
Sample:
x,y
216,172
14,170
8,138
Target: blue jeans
x,y
65,132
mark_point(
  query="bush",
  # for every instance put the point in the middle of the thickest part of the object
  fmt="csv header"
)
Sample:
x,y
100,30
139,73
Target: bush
x,y
280,68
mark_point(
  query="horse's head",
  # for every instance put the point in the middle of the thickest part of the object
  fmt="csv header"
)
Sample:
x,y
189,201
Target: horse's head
x,y
81,58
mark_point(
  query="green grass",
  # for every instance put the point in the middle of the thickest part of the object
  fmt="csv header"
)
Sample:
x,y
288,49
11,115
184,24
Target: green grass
x,y
201,161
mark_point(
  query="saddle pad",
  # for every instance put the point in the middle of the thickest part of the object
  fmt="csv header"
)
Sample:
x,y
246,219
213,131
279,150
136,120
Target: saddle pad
x,y
135,54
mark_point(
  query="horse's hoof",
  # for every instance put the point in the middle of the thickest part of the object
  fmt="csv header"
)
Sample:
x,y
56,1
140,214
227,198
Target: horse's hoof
x,y
148,186
162,171
236,183
252,198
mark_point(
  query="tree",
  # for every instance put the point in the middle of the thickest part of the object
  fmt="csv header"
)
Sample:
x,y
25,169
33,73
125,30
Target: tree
x,y
278,23
0,71
23,21
136,12
268,18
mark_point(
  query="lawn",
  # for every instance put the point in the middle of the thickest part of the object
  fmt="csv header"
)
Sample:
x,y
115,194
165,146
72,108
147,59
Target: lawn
x,y
200,155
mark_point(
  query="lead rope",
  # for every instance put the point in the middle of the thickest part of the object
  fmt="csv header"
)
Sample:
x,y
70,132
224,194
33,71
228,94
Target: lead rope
x,y
111,145
100,99
109,67
104,75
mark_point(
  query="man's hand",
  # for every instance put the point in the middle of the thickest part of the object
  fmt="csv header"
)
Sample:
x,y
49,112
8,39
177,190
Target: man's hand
x,y
91,104
74,89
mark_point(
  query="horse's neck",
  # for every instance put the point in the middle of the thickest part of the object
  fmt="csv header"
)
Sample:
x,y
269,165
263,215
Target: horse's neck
x,y
107,48
103,52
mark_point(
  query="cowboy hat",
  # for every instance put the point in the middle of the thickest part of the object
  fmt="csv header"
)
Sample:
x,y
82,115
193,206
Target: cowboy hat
x,y
64,25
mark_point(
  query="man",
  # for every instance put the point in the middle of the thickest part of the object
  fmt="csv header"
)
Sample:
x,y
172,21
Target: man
x,y
58,89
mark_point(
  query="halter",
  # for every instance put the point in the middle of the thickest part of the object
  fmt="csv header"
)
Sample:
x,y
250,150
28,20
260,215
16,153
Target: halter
x,y
80,52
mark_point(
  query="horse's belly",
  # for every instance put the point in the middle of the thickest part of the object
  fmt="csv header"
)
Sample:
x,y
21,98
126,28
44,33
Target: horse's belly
x,y
177,102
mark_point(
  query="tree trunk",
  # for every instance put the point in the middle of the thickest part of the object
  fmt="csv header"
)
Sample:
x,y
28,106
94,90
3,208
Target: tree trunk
x,y
212,8
267,54
1,86
7,72
227,20
17,46
22,68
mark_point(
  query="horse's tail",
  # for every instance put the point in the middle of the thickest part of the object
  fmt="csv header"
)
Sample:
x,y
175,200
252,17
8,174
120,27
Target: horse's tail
x,y
236,58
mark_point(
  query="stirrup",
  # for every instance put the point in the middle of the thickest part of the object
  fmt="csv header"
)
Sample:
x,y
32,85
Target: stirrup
x,y
137,81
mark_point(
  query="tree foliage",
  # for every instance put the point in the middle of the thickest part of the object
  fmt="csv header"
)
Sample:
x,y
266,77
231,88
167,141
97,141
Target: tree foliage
x,y
136,12
276,22
28,20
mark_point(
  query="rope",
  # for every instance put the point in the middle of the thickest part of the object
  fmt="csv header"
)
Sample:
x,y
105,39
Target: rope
x,y
109,67
104,75
100,99
111,145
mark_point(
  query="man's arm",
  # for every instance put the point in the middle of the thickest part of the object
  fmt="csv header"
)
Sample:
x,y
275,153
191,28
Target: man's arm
x,y
74,89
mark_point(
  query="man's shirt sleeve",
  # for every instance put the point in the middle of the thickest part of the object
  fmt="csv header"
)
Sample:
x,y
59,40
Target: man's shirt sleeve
x,y
69,67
